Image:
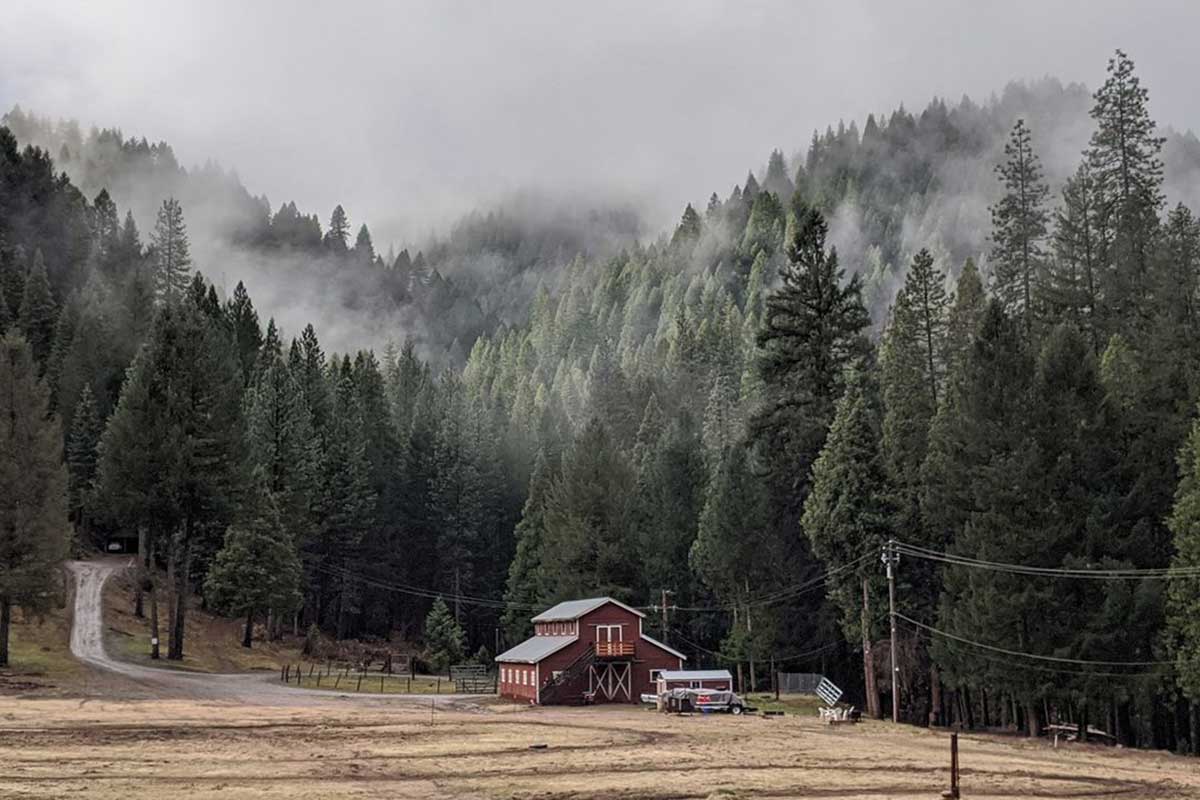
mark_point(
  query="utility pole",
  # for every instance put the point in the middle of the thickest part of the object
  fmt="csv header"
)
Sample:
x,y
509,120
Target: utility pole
x,y
892,558
665,629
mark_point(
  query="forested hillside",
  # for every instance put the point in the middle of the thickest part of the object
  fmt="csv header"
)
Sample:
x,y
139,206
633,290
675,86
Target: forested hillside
x,y
971,331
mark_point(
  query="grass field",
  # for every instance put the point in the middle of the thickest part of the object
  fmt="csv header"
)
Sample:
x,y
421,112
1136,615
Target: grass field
x,y
339,748
372,682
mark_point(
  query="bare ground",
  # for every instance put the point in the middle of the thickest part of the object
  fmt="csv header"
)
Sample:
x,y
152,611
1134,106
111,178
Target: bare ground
x,y
135,732
192,749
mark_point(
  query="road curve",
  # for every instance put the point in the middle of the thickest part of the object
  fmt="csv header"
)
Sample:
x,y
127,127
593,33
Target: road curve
x,y
87,645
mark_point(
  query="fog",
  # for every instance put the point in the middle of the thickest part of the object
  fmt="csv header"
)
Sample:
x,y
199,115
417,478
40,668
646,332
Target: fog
x,y
412,114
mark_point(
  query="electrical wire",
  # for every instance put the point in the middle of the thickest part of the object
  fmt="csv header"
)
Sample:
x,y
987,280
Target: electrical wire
x,y
1153,674
1034,656
1158,573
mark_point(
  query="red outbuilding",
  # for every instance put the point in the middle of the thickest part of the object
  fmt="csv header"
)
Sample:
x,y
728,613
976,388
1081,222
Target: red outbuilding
x,y
586,651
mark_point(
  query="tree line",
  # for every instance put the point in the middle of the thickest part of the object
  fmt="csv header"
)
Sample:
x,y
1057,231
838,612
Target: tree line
x,y
717,414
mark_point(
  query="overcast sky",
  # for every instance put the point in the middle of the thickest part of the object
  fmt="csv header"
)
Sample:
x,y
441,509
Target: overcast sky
x,y
411,113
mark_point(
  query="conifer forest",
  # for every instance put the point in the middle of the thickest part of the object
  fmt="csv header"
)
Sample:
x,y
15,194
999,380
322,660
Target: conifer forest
x,y
964,339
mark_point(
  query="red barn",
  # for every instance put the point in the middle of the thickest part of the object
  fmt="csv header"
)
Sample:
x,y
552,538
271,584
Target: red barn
x,y
586,650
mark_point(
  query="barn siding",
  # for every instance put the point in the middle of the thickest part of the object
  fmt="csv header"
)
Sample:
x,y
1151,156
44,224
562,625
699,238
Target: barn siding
x,y
647,656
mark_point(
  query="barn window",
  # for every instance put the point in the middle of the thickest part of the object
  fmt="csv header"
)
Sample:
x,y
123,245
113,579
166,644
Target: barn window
x,y
654,675
554,675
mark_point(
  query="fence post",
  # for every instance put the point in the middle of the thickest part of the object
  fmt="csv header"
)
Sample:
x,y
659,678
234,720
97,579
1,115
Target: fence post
x,y
953,792
438,690
358,688
281,673
310,669
409,684
381,684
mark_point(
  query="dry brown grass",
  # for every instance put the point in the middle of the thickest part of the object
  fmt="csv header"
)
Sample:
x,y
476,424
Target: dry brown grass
x,y
177,749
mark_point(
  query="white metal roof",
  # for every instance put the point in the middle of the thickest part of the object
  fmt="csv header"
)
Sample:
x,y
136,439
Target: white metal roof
x,y
535,648
574,609
695,675
662,646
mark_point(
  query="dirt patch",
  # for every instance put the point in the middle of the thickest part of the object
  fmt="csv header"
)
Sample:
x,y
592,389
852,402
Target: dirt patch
x,y
182,749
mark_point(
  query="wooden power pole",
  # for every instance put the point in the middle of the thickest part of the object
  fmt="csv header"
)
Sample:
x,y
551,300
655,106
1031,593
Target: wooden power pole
x,y
892,558
665,629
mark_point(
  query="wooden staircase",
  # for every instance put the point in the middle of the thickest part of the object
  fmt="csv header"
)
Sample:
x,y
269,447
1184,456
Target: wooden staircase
x,y
554,690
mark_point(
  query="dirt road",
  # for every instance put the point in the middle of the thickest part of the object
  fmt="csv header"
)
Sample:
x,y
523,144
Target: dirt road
x,y
87,645
239,736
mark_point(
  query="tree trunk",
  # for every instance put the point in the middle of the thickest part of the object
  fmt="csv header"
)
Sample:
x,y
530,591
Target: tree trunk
x,y
249,634
1032,715
182,573
935,696
153,590
750,638
172,568
1083,721
984,722
5,619
874,709
1193,729
139,576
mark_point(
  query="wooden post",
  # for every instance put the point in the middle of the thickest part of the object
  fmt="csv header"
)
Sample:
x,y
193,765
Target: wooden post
x,y
358,688
381,683
310,669
952,792
439,685
409,691
281,673
318,679
890,558
287,673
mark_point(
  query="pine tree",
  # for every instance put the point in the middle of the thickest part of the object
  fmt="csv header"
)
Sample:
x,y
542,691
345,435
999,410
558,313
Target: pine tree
x,y
337,238
344,504
526,587
34,530
1074,289
690,227
172,258
812,330
364,249
1019,227
257,568
39,313
83,442
588,548
966,311
1184,595
281,444
246,330
445,642
1123,159
847,515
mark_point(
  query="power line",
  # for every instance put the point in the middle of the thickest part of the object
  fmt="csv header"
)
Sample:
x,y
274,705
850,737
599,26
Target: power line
x,y
795,657
1155,674
1055,572
787,593
1034,656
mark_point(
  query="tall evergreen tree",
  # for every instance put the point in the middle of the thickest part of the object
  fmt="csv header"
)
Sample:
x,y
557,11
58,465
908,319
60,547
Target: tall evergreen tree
x,y
337,238
33,485
257,568
1123,159
172,256
83,443
847,516
1019,227
39,313
246,330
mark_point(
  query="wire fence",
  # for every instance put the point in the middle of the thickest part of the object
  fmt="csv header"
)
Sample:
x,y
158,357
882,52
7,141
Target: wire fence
x,y
799,682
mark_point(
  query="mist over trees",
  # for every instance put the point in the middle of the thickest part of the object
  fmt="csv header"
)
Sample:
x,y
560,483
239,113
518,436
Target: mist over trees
x,y
972,330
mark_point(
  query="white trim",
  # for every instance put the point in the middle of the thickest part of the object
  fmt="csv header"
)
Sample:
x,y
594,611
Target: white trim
x,y
599,602
664,647
537,684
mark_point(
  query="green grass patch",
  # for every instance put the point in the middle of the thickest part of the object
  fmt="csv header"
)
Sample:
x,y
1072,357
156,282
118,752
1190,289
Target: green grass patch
x,y
802,704
372,682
